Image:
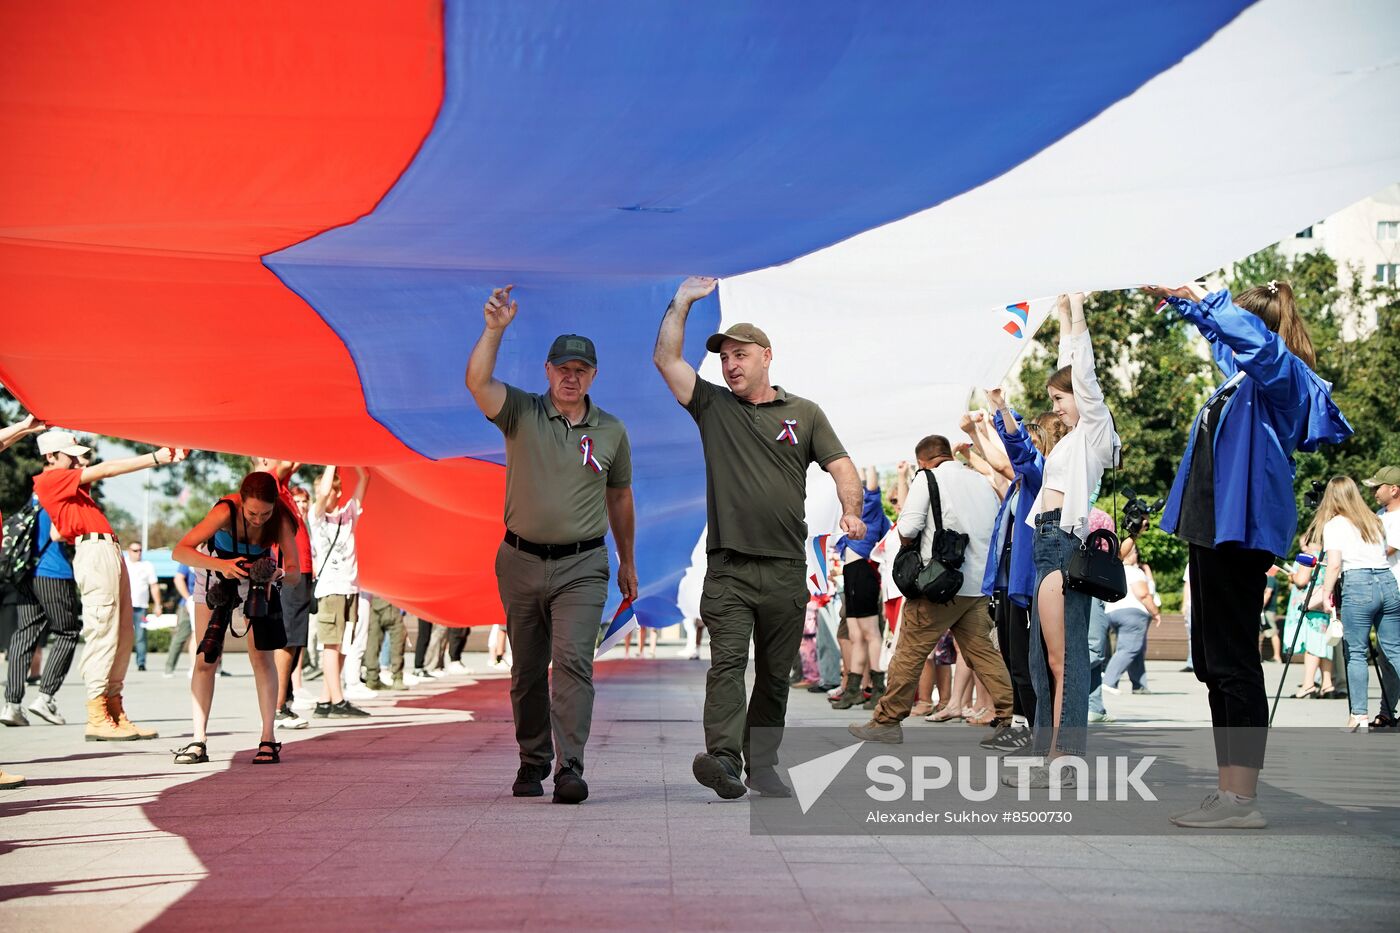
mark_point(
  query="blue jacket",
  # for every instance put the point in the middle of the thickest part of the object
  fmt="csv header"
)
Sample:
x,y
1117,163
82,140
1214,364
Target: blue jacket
x,y
1281,406
877,525
1028,464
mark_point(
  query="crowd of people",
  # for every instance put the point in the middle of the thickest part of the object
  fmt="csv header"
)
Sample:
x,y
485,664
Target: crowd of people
x,y
267,559
966,605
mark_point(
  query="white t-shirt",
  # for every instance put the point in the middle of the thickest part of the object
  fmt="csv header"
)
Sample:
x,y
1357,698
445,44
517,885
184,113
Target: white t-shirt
x,y
969,505
1391,521
1357,553
1135,576
333,550
143,574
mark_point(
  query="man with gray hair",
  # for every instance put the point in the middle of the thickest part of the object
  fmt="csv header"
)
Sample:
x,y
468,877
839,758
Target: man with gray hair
x,y
568,479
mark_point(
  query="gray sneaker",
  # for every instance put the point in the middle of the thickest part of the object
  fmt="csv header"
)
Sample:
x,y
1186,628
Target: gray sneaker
x,y
12,715
1007,738
46,708
716,774
1215,812
1038,778
872,731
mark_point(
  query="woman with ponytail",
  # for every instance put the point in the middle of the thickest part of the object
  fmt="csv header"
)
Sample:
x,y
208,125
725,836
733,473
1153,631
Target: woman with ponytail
x,y
1233,503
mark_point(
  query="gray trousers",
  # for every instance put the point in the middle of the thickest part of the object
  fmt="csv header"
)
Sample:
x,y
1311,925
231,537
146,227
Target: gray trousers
x,y
553,609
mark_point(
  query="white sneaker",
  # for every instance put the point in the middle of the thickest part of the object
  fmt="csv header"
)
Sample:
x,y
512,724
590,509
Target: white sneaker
x,y
499,666
1219,812
692,654
286,719
409,680
1113,690
303,702
456,667
358,691
12,715
439,672
46,709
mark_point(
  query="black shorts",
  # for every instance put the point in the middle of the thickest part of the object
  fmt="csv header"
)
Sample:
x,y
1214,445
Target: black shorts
x,y
862,584
296,611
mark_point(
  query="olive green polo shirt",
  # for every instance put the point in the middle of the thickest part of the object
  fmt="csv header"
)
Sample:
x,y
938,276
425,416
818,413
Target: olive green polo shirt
x,y
557,474
756,459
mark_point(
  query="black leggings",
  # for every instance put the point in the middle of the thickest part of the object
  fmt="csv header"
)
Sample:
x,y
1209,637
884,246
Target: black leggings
x,y
1227,595
1014,638
420,644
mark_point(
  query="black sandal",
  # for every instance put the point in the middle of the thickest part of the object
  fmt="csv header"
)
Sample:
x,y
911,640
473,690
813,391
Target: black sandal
x,y
269,753
187,755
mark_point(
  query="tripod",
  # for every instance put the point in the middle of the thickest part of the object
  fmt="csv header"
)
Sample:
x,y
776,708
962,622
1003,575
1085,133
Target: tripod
x,y
1297,631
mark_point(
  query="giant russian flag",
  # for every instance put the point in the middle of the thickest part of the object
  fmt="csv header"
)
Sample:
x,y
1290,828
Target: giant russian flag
x,y
269,228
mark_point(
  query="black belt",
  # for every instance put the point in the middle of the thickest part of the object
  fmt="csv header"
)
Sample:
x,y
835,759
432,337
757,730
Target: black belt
x,y
551,551
1053,515
95,536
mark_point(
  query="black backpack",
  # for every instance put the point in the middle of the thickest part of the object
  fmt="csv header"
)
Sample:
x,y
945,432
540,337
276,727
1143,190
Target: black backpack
x,y
20,551
940,579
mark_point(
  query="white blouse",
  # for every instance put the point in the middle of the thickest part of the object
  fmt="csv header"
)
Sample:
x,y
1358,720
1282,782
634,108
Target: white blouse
x,y
1078,461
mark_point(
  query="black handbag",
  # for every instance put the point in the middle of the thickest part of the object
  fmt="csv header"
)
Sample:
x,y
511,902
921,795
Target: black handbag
x,y
939,579
1095,570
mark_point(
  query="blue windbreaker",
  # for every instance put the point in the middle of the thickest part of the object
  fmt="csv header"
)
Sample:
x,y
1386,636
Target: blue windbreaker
x,y
1280,406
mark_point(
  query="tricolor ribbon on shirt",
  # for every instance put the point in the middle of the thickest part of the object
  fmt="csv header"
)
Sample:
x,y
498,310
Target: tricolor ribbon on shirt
x,y
789,432
623,622
585,446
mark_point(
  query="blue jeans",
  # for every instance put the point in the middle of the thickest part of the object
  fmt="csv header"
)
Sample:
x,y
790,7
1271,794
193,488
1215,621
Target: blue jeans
x,y
1371,599
1098,654
138,619
1131,625
1051,552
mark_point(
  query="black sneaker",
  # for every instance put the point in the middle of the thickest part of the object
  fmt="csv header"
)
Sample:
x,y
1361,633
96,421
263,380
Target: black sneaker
x,y
345,710
527,781
1007,738
322,710
766,783
569,786
718,776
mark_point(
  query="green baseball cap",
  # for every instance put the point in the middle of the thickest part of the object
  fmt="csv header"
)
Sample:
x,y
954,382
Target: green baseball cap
x,y
568,347
744,333
1385,476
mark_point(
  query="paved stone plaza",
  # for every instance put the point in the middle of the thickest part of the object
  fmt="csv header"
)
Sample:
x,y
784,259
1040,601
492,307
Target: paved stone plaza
x,y
406,822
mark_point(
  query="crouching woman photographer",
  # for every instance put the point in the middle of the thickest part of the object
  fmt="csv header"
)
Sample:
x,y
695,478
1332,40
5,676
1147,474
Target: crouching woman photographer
x,y
1232,503
241,551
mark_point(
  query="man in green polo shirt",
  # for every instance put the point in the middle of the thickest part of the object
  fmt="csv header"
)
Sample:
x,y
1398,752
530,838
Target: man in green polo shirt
x,y
758,441
568,479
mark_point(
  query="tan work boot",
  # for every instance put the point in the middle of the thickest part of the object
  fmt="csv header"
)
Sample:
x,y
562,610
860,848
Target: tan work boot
x,y
114,706
101,727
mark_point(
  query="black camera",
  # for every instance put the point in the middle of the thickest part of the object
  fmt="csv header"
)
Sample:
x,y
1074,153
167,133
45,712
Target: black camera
x,y
260,573
1136,512
1313,497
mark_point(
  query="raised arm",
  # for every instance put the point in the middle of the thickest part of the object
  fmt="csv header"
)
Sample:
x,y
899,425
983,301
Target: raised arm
x,y
1282,377
488,391
325,491
993,449
622,519
361,486
22,428
669,355
110,468
848,490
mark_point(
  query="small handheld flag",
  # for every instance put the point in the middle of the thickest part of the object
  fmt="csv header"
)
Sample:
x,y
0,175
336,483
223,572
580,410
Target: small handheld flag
x,y
623,622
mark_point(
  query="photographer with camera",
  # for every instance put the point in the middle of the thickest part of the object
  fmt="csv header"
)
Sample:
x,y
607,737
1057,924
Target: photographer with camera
x,y
246,546
1233,503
